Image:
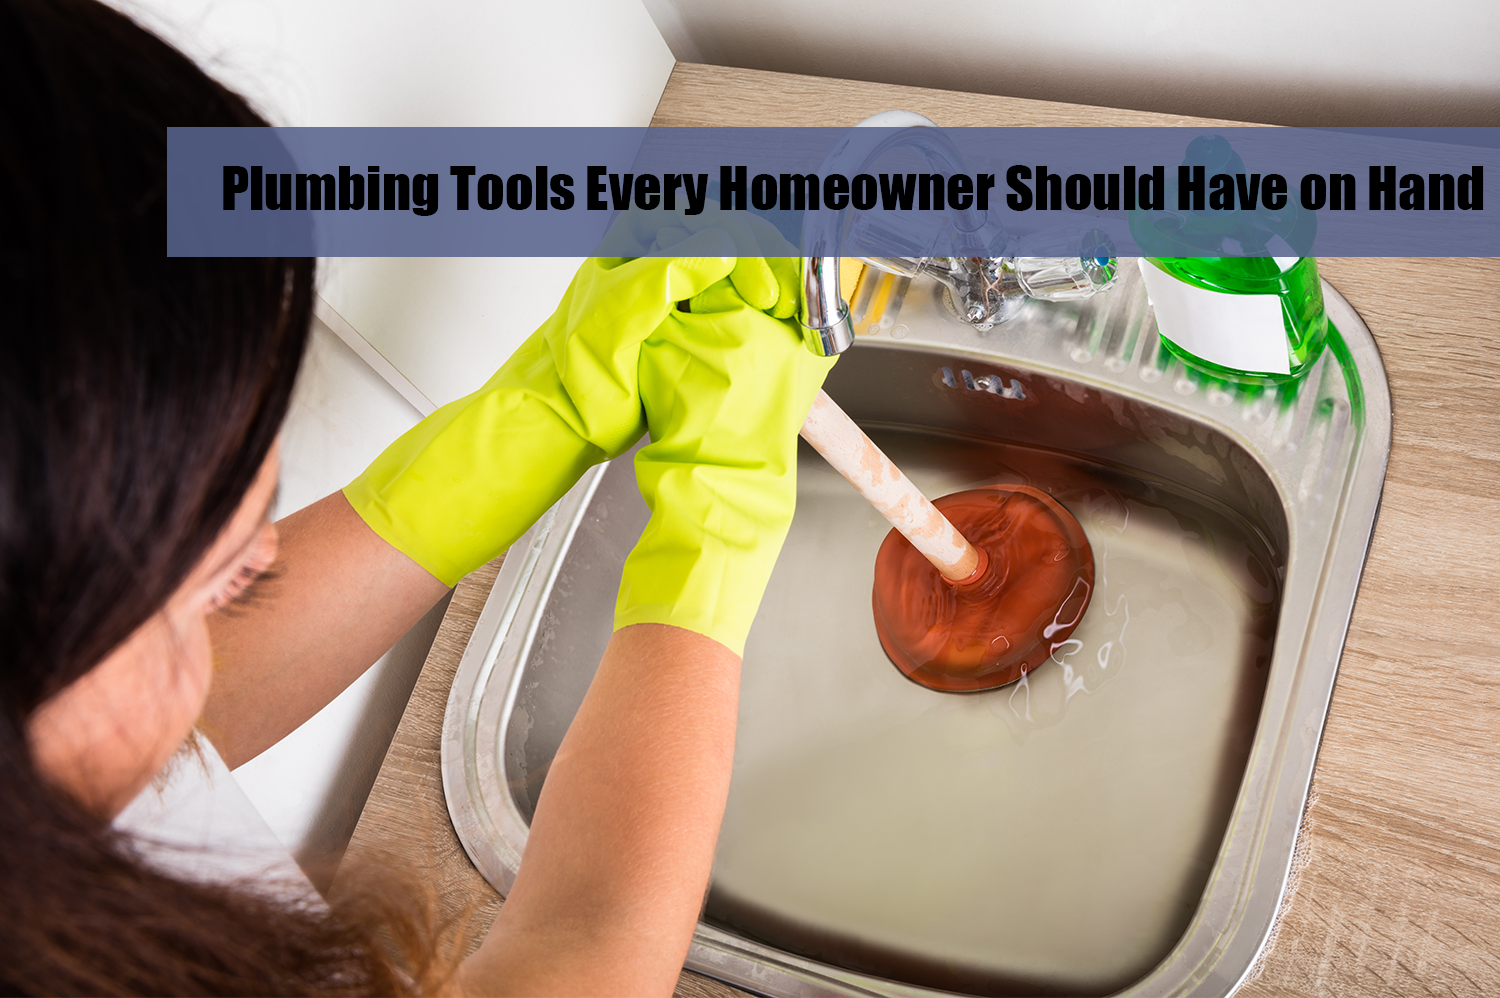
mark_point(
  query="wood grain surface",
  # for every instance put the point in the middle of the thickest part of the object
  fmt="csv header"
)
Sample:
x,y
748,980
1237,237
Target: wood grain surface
x,y
405,821
1401,890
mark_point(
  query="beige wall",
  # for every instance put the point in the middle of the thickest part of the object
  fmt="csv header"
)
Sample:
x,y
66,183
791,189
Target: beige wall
x,y
1295,62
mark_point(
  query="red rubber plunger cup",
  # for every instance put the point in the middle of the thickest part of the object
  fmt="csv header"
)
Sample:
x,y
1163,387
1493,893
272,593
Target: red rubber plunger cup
x,y
1030,591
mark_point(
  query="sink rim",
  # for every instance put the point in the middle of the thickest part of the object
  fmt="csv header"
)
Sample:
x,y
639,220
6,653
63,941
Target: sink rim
x,y
1246,888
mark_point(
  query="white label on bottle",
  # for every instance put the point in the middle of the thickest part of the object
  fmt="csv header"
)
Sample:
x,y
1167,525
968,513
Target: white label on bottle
x,y
1243,332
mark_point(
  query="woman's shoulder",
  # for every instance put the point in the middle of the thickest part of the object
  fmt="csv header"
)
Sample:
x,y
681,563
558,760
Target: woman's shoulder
x,y
195,822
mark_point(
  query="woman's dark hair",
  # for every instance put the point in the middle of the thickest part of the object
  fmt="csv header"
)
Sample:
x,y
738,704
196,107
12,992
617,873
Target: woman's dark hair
x,y
139,396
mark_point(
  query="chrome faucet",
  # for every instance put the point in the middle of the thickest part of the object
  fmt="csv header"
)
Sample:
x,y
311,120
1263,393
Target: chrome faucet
x,y
827,328
986,289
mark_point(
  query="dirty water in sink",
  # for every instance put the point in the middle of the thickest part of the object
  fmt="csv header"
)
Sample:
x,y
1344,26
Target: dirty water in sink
x,y
1053,835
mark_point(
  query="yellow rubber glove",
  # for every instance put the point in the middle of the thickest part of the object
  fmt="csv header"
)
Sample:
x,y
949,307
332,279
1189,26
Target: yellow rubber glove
x,y
769,277
459,487
726,388
767,272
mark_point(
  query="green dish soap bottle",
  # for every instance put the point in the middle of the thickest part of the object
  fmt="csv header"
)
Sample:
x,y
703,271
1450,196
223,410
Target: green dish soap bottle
x,y
1248,320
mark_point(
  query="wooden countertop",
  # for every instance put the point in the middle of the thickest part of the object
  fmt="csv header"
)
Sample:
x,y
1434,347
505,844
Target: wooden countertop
x,y
1401,890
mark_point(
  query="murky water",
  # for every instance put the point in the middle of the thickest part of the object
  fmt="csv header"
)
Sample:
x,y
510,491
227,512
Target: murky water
x,y
1052,835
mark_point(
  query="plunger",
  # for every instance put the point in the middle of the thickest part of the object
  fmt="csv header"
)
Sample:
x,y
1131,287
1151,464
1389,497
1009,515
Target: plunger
x,y
971,591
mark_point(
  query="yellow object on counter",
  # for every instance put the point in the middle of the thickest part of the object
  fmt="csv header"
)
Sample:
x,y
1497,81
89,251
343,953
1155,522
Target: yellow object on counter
x,y
850,271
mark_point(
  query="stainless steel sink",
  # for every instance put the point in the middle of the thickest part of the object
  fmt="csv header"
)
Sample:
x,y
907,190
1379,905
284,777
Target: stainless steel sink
x,y
1123,819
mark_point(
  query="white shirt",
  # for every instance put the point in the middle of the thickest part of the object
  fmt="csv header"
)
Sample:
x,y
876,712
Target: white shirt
x,y
195,822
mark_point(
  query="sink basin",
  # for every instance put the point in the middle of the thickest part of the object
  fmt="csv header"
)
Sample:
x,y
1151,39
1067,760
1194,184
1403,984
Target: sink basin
x,y
1123,819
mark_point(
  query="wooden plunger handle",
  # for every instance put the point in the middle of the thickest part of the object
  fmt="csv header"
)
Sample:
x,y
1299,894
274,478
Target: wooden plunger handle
x,y
834,435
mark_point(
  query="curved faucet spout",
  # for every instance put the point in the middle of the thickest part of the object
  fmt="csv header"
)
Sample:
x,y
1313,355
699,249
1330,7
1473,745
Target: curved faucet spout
x,y
826,326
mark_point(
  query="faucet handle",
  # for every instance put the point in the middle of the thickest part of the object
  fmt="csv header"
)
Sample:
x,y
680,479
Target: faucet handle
x,y
1061,278
989,290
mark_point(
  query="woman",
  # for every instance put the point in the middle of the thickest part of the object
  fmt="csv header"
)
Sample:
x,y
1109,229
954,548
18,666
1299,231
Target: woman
x,y
140,399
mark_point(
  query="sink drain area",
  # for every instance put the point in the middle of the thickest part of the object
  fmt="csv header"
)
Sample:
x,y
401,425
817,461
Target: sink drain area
x,y
1124,818
1054,835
